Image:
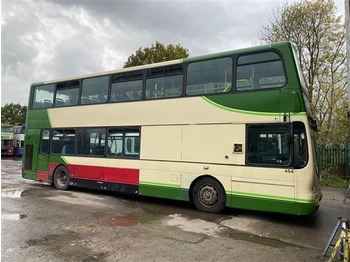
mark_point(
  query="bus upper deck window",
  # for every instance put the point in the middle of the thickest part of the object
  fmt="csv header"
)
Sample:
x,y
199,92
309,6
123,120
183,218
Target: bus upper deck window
x,y
127,87
67,93
43,96
164,82
260,71
95,90
209,77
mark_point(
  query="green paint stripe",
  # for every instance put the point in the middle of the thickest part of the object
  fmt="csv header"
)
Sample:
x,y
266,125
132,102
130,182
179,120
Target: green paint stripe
x,y
64,159
271,197
158,184
237,193
49,118
247,112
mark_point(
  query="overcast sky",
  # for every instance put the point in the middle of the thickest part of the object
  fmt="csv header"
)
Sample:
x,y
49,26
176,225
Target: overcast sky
x,y
49,39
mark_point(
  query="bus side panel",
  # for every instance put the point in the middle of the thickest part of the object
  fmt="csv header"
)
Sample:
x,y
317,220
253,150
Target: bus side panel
x,y
86,174
263,197
263,189
307,183
262,204
36,119
163,184
249,102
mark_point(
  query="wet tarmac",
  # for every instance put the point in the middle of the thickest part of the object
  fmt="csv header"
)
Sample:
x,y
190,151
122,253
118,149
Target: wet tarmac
x,y
40,223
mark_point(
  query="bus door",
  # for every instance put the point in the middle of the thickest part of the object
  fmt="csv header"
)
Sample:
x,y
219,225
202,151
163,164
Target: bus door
x,y
43,156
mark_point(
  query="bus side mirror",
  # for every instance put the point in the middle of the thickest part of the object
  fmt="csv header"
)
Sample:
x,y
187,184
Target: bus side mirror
x,y
287,138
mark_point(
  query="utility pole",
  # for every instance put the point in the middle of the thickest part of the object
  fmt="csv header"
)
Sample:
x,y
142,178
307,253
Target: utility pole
x,y
347,24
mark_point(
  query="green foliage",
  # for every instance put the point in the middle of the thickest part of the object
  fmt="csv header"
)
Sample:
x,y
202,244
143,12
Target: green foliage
x,y
319,36
156,53
13,114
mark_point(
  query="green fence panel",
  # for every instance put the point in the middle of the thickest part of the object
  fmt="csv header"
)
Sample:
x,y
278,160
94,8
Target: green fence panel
x,y
330,156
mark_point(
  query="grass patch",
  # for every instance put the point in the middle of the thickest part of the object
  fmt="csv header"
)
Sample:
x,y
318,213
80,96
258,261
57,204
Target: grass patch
x,y
332,180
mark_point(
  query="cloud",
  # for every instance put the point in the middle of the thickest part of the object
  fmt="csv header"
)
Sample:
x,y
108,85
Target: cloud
x,y
43,40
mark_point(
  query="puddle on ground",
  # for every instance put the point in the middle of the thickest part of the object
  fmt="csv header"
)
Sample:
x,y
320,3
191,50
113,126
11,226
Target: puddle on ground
x,y
271,242
69,244
13,216
12,193
131,220
119,222
211,229
194,225
44,241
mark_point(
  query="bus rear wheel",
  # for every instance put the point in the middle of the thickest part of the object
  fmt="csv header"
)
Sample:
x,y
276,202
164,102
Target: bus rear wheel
x,y
208,195
61,178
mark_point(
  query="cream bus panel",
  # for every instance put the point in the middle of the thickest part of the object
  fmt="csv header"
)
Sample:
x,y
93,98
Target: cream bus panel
x,y
161,143
264,183
191,110
193,143
261,190
188,178
212,143
160,178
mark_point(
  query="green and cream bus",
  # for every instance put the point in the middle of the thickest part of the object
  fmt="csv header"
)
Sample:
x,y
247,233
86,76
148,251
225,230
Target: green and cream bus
x,y
228,129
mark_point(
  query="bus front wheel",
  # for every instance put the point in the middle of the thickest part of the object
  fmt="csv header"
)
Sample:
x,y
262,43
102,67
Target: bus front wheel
x,y
61,178
208,195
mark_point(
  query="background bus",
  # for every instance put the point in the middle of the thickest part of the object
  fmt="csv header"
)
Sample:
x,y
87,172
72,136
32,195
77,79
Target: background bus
x,y
18,140
6,140
229,129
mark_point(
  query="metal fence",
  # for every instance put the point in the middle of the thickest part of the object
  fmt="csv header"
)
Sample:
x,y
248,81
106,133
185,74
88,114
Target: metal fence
x,y
335,157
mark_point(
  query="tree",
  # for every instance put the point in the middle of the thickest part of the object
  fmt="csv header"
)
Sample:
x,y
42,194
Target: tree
x,y
13,114
319,36
158,52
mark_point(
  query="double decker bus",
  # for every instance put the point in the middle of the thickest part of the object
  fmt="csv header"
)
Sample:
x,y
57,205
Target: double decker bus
x,y
228,129
6,140
18,140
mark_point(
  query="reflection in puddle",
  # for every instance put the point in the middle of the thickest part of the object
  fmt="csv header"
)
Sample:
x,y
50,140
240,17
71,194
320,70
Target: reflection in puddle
x,y
13,216
12,193
259,239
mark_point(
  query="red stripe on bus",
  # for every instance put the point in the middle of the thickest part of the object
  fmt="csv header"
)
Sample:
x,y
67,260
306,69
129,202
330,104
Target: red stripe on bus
x,y
108,174
122,175
42,176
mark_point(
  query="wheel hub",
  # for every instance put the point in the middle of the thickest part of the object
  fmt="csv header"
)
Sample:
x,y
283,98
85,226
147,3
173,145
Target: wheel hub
x,y
62,178
208,195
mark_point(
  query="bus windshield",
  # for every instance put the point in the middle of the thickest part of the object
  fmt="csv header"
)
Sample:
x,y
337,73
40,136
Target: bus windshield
x,y
7,129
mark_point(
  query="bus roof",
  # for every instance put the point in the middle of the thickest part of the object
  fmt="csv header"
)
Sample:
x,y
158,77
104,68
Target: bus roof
x,y
172,62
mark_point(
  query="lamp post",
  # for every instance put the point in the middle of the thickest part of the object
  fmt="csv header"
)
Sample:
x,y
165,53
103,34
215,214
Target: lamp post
x,y
347,24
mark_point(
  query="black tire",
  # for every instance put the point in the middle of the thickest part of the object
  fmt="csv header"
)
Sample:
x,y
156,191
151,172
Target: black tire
x,y
208,195
61,178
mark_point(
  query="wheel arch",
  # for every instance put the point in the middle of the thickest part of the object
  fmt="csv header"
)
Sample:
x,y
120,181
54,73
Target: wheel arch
x,y
54,170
